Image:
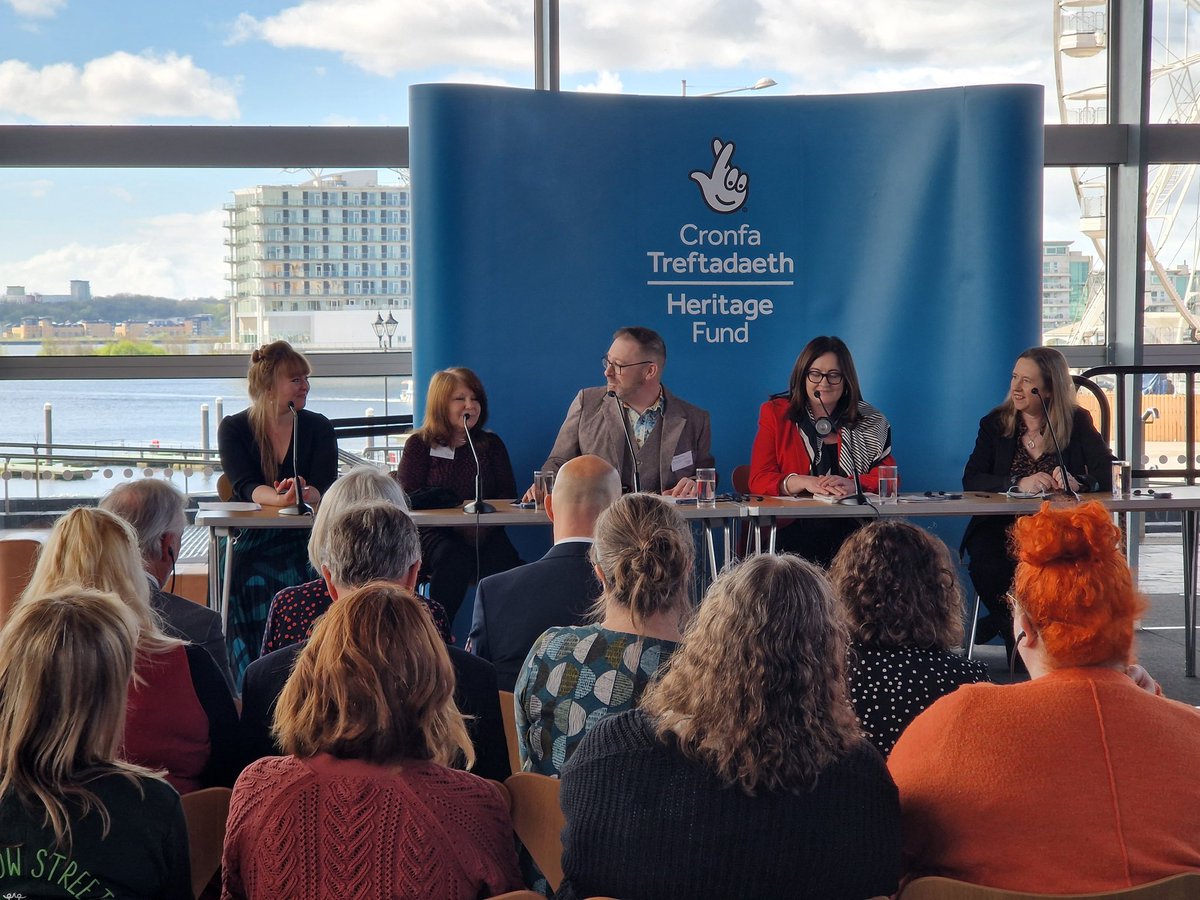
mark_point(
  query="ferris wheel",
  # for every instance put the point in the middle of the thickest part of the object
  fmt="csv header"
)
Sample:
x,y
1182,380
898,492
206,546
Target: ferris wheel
x,y
1173,190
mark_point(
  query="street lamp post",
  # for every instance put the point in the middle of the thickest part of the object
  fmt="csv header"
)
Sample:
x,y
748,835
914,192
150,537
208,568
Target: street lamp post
x,y
390,326
377,326
764,82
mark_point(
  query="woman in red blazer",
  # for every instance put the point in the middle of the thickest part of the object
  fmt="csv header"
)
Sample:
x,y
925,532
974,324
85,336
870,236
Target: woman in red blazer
x,y
813,439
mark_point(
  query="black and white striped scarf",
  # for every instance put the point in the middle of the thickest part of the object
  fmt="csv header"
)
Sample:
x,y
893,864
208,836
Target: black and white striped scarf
x,y
869,441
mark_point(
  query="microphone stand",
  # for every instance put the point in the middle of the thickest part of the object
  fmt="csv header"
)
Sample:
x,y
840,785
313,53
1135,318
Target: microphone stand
x,y
476,506
637,477
300,508
859,497
1062,463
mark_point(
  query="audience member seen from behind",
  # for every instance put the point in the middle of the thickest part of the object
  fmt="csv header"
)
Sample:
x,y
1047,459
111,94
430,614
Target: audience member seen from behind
x,y
375,541
575,675
77,821
899,591
1086,780
513,608
155,509
295,609
180,716
813,439
671,438
365,804
437,456
1015,450
749,756
260,461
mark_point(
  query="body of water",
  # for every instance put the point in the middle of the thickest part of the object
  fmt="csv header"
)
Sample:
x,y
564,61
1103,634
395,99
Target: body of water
x,y
139,412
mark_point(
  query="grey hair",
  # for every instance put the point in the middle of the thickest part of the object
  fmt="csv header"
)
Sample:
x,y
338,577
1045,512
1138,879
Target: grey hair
x,y
152,506
368,541
360,484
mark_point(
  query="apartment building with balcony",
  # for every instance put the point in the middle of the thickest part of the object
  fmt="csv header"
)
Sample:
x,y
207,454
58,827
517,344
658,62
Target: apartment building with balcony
x,y
316,263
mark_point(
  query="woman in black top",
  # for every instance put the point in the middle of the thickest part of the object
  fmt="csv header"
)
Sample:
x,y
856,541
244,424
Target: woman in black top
x,y
75,821
1015,450
744,772
899,590
257,456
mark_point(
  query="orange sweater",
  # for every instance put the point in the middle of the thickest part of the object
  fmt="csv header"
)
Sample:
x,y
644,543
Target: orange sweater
x,y
1074,782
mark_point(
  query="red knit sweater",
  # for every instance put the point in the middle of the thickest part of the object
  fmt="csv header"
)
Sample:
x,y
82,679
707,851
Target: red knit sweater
x,y
1075,782
339,829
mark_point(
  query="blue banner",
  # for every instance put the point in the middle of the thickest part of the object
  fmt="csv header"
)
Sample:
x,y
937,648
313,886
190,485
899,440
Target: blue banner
x,y
909,224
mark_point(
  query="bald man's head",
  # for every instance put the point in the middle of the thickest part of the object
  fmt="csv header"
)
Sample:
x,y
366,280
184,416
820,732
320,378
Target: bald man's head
x,y
583,488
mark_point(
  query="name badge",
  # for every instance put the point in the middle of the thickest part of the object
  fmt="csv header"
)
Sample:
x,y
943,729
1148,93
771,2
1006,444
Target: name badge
x,y
681,461
441,452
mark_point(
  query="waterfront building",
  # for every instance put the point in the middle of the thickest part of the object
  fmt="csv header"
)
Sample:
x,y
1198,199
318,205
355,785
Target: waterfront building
x,y
316,263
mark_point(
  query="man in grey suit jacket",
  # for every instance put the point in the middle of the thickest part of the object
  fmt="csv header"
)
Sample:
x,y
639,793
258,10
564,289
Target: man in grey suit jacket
x,y
513,608
155,510
671,437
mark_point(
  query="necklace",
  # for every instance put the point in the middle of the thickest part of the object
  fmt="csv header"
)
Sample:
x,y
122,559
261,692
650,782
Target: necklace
x,y
1031,439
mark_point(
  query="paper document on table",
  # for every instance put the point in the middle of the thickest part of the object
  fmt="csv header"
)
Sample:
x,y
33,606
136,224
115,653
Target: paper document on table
x,y
929,497
229,506
872,499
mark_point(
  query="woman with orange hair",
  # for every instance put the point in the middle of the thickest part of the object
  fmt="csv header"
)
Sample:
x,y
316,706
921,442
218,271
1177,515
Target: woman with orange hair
x,y
1085,778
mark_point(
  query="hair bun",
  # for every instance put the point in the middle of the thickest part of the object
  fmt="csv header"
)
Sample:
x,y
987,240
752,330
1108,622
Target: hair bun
x,y
257,355
1080,534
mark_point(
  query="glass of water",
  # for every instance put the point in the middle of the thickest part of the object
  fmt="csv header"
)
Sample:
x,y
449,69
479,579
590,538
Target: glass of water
x,y
706,487
889,484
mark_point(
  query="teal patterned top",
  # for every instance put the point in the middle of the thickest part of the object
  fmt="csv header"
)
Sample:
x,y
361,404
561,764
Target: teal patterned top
x,y
573,678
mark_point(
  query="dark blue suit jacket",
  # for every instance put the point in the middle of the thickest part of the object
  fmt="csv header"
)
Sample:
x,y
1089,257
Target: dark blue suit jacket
x,y
513,608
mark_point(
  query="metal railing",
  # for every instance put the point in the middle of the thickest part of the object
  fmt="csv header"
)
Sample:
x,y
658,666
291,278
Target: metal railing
x,y
1125,393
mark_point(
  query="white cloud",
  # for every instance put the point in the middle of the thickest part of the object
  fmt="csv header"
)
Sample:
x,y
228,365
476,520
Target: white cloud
x,y
37,9
115,89
606,83
385,37
34,189
176,255
822,46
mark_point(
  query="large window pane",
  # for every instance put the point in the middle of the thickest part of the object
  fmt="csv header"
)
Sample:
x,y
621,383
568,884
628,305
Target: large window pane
x,y
190,261
1073,257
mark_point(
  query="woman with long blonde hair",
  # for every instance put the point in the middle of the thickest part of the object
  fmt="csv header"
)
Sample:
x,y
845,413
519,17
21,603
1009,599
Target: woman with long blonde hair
x,y
180,716
1015,450
747,753
260,462
575,675
369,724
69,807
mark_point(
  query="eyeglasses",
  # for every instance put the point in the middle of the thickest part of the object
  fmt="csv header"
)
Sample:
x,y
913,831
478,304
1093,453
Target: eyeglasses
x,y
834,377
605,362
1011,599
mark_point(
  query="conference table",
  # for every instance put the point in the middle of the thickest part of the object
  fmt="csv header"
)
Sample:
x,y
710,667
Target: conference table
x,y
764,512
222,519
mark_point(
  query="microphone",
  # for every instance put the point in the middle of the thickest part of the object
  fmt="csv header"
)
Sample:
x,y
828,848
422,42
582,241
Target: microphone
x,y
301,508
859,497
1062,463
476,506
637,477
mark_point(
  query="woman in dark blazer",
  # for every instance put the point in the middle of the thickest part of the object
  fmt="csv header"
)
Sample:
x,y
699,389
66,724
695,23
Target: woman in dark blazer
x,y
1015,451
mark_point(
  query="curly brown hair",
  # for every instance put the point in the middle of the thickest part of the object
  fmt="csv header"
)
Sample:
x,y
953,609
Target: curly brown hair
x,y
757,691
898,587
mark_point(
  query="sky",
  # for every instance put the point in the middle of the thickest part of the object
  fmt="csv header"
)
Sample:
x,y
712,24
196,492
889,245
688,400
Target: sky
x,y
328,62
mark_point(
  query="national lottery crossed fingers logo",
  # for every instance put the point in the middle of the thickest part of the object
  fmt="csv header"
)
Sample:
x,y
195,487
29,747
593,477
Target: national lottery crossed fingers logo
x,y
725,187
